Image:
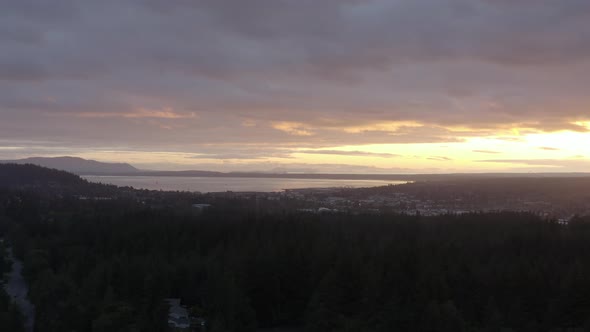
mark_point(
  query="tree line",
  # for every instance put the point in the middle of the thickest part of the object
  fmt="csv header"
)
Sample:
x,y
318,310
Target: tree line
x,y
107,266
96,265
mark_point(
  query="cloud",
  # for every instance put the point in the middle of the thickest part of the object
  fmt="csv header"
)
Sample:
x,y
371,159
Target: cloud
x,y
486,151
197,76
440,158
578,164
349,153
11,148
21,71
259,153
166,113
547,148
244,154
292,128
326,168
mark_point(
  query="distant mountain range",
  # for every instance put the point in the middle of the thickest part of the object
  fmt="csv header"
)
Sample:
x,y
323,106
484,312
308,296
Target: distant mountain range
x,y
77,165
81,166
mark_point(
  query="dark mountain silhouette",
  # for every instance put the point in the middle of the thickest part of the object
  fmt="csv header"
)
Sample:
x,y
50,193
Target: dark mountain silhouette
x,y
49,182
78,165
13,175
81,166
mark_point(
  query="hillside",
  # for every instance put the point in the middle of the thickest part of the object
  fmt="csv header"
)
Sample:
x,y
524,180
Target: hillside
x,y
13,175
78,165
50,182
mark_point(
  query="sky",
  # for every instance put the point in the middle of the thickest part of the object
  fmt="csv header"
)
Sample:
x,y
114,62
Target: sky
x,y
335,86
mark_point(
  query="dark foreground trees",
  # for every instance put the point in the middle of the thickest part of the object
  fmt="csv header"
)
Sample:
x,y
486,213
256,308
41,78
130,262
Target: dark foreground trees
x,y
100,268
10,317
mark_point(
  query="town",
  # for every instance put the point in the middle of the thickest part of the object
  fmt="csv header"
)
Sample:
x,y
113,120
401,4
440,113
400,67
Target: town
x,y
559,199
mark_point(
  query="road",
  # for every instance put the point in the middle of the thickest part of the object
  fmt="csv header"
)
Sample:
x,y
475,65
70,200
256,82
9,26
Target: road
x,y
17,288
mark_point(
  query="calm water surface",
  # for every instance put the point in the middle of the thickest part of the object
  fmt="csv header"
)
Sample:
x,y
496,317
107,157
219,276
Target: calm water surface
x,y
220,184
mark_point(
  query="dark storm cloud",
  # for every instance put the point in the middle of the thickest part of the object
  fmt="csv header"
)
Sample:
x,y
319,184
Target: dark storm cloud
x,y
184,74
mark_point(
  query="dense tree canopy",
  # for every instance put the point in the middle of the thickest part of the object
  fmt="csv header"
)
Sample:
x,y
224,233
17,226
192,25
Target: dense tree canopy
x,y
107,265
10,317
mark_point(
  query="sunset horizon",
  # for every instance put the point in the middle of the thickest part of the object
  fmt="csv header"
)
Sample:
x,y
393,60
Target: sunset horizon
x,y
376,86
295,165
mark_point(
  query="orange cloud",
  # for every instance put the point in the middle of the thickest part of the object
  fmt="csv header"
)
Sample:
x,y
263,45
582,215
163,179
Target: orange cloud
x,y
383,126
165,113
292,128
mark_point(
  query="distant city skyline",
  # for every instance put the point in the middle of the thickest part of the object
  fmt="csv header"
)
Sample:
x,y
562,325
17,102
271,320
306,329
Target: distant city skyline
x,y
334,86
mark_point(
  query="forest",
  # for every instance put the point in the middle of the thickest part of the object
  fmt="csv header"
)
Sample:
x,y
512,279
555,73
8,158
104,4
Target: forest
x,y
10,317
109,265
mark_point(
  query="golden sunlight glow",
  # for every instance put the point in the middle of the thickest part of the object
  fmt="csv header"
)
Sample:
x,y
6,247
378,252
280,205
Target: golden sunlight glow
x,y
473,154
585,124
570,142
292,128
384,126
553,151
